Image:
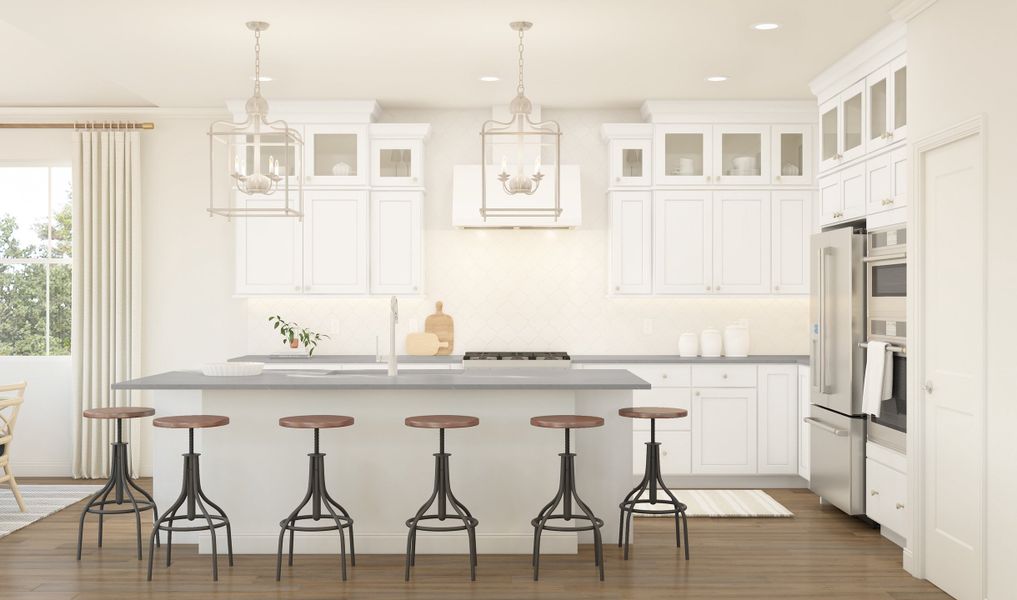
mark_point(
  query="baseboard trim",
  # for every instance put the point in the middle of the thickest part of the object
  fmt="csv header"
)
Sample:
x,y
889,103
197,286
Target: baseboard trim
x,y
749,482
40,468
908,562
385,543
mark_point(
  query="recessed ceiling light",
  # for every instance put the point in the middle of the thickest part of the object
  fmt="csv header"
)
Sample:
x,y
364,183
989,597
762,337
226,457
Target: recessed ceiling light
x,y
263,78
490,78
717,78
766,26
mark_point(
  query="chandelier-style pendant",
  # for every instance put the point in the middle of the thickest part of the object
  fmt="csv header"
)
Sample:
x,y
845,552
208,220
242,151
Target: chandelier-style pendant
x,y
264,158
520,144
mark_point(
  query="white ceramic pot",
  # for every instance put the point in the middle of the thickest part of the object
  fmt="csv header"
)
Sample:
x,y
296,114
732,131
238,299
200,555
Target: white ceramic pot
x,y
736,341
688,345
744,163
711,343
341,169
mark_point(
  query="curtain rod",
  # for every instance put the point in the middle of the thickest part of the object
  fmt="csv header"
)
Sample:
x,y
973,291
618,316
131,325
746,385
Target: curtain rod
x,y
113,125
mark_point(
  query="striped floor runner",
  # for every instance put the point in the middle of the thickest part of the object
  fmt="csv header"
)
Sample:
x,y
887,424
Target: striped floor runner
x,y
726,503
40,501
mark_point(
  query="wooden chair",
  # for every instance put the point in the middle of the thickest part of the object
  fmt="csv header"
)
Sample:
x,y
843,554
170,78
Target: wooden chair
x,y
9,408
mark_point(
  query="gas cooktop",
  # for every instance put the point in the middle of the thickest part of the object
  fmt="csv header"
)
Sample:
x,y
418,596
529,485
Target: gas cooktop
x,y
516,359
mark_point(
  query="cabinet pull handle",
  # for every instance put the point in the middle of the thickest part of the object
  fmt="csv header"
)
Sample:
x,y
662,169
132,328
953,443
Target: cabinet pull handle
x,y
900,506
873,493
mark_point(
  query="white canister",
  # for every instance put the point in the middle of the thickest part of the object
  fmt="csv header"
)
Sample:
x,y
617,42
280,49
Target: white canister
x,y
710,343
688,345
736,340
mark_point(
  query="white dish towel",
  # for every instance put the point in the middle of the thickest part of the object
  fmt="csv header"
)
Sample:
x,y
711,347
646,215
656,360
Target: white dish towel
x,y
878,384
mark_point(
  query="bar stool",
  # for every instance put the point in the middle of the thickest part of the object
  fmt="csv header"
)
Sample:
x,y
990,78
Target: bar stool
x,y
119,480
191,495
652,478
316,494
442,493
567,492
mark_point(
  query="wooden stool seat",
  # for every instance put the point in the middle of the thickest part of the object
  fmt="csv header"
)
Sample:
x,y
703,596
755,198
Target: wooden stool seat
x,y
191,421
315,421
566,421
652,412
118,412
442,421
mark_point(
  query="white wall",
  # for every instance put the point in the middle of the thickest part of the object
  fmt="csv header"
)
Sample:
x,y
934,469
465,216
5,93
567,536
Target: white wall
x,y
526,290
960,57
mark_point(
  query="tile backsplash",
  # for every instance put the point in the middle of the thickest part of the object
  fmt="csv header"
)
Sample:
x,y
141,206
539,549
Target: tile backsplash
x,y
527,289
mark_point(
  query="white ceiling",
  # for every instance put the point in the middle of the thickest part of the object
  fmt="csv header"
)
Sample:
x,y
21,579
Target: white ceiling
x,y
580,53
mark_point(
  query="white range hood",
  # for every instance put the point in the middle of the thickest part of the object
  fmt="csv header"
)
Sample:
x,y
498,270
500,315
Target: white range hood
x,y
466,200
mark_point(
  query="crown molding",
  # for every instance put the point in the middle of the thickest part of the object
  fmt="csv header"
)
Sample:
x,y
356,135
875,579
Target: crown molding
x,y
734,111
885,45
909,9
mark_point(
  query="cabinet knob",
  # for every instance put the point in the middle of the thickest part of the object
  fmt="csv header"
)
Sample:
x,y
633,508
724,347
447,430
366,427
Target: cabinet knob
x,y
717,288
414,288
777,177
617,288
414,179
617,178
664,452
900,506
776,288
928,387
663,375
296,287
873,493
708,288
889,135
723,375
697,393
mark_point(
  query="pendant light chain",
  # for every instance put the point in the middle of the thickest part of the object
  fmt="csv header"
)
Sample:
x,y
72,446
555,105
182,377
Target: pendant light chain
x,y
257,62
519,88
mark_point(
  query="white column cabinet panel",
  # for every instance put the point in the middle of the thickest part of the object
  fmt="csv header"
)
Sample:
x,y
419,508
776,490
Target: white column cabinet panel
x,y
335,242
396,242
682,242
900,174
724,431
741,242
804,441
268,252
791,225
778,419
631,268
878,176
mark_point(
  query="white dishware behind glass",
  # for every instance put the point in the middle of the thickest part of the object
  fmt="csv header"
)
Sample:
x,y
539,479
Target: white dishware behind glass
x,y
688,345
744,163
711,344
341,169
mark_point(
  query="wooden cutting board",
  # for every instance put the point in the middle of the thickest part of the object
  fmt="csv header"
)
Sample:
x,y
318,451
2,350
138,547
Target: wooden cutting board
x,y
441,325
422,344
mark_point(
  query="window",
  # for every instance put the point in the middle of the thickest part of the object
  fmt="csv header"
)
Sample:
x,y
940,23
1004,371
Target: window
x,y
35,260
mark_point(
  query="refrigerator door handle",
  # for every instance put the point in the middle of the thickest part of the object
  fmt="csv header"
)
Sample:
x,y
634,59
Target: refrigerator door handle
x,y
825,427
824,387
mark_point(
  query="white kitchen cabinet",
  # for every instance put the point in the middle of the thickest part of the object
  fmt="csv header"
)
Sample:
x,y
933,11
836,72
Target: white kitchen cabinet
x,y
682,242
335,242
886,489
683,154
899,98
778,419
842,123
804,400
336,154
396,245
724,431
631,268
397,162
629,162
741,242
900,174
791,154
886,98
877,183
268,251
842,195
675,452
789,239
741,154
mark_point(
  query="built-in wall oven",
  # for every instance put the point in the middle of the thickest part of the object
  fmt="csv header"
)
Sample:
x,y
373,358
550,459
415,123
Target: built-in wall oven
x,y
886,321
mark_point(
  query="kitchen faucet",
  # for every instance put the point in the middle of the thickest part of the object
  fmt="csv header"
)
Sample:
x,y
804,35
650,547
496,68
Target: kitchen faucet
x,y
393,368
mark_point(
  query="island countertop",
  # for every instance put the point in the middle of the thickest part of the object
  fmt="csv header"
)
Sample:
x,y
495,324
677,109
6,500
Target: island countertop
x,y
407,379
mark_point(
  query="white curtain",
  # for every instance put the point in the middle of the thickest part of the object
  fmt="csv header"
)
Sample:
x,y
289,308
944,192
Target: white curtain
x,y
106,284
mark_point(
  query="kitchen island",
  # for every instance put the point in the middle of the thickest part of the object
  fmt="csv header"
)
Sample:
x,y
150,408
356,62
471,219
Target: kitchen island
x,y
381,471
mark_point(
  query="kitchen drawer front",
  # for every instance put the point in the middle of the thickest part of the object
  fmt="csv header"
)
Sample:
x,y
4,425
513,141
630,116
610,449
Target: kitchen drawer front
x,y
657,375
886,497
662,396
675,452
713,376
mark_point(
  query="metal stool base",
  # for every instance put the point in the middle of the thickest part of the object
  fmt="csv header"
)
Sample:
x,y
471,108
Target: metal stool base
x,y
118,484
565,497
654,481
317,496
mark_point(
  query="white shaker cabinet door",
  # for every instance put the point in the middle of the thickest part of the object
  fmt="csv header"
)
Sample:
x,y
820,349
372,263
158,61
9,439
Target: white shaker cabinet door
x,y
396,230
778,419
335,242
724,431
268,250
878,177
683,242
631,239
790,231
741,242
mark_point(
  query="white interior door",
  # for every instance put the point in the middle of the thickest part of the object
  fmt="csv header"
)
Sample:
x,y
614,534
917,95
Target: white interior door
x,y
953,351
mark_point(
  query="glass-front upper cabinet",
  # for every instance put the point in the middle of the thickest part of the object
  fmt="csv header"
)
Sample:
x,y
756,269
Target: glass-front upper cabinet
x,y
791,154
829,134
630,162
852,108
397,154
336,154
899,97
271,153
886,91
741,153
683,154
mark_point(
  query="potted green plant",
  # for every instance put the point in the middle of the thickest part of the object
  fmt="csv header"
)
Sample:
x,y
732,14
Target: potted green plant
x,y
294,335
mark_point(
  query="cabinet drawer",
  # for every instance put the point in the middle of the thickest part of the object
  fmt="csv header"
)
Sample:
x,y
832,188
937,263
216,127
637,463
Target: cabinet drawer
x,y
662,396
724,375
675,452
886,497
657,375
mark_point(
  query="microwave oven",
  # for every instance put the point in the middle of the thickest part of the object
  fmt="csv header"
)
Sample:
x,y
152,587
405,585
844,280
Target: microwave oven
x,y
886,274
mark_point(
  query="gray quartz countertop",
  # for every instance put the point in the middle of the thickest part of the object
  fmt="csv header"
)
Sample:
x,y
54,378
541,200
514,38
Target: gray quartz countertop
x,y
580,358
473,379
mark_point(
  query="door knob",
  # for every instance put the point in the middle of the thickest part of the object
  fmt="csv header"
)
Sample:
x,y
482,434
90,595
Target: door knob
x,y
928,387
873,493
900,506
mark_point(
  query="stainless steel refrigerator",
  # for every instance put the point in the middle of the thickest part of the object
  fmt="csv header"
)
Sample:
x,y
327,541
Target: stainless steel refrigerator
x,y
837,308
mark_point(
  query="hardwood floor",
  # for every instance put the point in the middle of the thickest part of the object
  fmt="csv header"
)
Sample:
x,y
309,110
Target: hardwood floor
x,y
818,554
